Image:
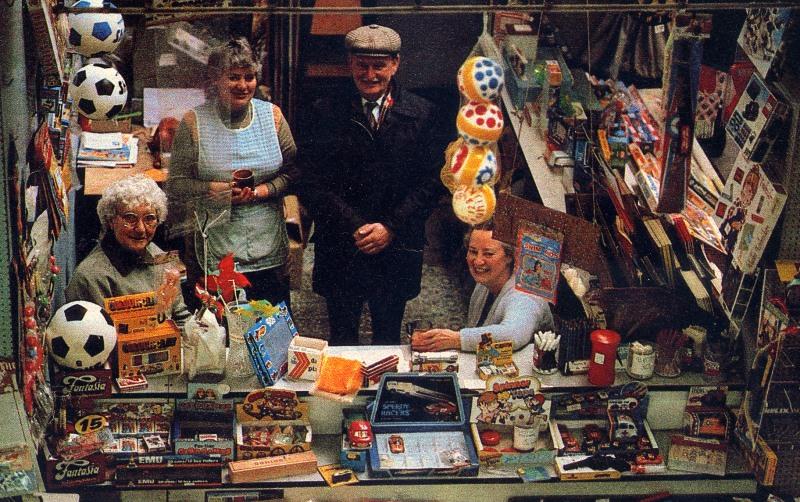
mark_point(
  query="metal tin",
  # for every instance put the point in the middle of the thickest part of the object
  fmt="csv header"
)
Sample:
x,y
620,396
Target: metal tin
x,y
641,361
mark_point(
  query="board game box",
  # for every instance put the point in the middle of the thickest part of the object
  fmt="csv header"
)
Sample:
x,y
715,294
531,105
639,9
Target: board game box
x,y
420,427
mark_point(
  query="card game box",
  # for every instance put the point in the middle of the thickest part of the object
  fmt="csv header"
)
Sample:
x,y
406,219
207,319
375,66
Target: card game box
x,y
420,427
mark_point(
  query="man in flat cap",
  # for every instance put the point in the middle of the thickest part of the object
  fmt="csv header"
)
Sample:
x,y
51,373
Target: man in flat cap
x,y
370,165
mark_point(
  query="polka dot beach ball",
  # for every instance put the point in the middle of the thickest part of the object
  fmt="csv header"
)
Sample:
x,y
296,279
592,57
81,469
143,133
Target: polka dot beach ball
x,y
474,204
474,165
480,123
480,79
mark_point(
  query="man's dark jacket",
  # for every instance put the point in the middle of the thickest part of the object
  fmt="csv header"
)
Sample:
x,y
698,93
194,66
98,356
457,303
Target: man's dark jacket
x,y
352,176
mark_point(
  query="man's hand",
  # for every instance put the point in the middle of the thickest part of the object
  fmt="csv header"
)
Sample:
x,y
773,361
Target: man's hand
x,y
435,340
373,238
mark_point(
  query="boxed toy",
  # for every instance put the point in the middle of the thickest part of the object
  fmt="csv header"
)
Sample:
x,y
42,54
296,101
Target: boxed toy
x,y
271,422
168,471
420,427
268,343
203,423
507,418
305,354
147,344
354,452
435,362
129,421
758,119
258,469
495,358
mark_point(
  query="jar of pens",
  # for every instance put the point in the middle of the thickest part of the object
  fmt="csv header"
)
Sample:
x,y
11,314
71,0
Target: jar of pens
x,y
545,352
668,342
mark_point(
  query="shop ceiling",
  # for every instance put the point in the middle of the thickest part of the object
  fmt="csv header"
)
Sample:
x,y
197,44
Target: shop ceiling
x,y
429,7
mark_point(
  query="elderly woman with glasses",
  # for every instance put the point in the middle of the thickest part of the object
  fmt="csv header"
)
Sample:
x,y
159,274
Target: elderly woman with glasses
x,y
233,133
126,261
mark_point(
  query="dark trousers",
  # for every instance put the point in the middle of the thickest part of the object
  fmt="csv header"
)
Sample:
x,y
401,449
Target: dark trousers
x,y
344,313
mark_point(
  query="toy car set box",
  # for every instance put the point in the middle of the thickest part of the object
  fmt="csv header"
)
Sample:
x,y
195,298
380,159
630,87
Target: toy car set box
x,y
203,423
357,439
271,422
420,427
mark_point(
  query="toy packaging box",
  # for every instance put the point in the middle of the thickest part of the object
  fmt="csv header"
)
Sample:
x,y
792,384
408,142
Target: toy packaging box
x,y
506,403
146,343
268,343
350,457
757,120
420,427
203,422
305,355
271,422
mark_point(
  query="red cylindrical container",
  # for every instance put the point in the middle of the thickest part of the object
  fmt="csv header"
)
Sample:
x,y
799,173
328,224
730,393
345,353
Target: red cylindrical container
x,y
603,358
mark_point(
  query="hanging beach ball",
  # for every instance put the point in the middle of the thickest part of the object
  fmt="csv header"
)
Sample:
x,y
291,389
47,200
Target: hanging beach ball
x,y
98,91
474,165
480,123
480,79
474,204
93,33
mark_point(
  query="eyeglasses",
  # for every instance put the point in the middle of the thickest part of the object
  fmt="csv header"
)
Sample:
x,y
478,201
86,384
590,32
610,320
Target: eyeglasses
x,y
130,220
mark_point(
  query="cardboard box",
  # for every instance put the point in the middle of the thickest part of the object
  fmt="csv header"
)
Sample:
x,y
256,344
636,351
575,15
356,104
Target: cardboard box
x,y
153,352
707,456
258,469
421,427
352,458
271,422
268,344
305,355
168,471
203,423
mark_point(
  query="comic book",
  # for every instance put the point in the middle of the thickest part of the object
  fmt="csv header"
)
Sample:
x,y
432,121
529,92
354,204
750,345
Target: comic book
x,y
538,260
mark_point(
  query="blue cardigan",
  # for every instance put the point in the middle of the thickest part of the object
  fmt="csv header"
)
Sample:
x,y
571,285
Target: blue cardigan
x,y
514,316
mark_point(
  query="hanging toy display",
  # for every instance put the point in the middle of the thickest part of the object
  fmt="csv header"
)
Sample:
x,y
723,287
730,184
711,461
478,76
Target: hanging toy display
x,y
480,79
474,165
98,91
95,33
472,168
480,123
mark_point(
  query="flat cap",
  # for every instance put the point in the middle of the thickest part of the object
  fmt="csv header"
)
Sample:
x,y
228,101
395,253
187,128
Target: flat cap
x,y
373,40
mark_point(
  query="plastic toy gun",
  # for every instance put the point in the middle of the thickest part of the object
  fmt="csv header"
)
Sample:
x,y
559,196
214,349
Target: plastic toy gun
x,y
599,463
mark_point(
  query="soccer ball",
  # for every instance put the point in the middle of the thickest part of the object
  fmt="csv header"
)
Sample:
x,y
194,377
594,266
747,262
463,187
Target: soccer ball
x,y
80,335
98,91
94,33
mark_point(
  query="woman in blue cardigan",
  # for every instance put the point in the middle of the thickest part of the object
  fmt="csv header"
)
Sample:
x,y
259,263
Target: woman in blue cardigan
x,y
495,307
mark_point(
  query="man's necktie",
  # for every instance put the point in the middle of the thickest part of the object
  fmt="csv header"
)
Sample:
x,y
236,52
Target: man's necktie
x,y
369,109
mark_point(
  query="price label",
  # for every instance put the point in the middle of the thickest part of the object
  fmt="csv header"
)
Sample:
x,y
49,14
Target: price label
x,y
90,423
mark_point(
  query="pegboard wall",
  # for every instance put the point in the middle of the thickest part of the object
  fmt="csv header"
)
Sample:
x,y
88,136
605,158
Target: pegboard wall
x,y
789,248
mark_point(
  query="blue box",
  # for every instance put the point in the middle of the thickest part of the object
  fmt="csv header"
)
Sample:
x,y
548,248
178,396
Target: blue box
x,y
268,344
421,427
